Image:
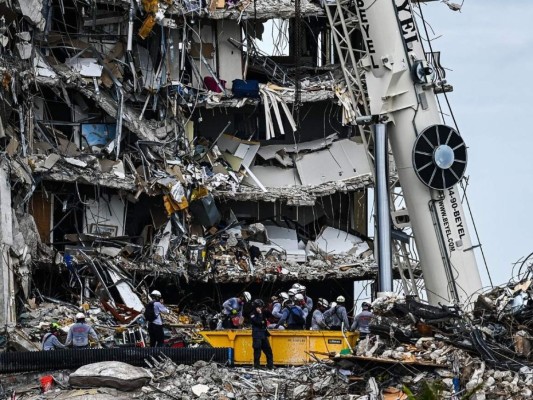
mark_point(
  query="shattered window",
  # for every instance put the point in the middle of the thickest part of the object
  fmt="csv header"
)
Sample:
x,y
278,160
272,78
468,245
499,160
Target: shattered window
x,y
274,41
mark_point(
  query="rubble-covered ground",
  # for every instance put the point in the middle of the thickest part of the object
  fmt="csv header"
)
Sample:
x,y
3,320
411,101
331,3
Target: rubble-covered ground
x,y
203,380
446,353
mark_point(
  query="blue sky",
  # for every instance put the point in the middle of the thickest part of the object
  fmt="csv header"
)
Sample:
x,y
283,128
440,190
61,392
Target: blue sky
x,y
489,48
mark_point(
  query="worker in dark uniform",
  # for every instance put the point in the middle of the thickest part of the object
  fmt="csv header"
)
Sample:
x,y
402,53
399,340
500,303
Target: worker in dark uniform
x,y
260,335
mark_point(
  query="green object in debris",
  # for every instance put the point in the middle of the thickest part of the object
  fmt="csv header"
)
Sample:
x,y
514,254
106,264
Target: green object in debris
x,y
346,351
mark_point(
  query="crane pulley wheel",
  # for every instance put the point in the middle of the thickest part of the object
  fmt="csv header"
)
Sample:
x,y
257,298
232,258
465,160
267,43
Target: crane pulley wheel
x,y
439,157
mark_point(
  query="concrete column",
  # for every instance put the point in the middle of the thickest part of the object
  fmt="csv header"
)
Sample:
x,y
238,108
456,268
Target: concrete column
x,y
7,281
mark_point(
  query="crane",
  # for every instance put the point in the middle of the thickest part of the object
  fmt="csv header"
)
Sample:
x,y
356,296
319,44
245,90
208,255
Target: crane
x,y
399,90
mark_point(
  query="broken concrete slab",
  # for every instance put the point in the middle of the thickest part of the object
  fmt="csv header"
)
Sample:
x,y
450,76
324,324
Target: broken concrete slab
x,y
335,241
113,374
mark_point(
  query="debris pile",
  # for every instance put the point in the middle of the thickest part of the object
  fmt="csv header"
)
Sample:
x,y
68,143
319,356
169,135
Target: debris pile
x,y
202,380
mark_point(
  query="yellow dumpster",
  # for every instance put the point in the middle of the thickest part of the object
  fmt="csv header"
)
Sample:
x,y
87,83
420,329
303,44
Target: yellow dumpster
x,y
290,347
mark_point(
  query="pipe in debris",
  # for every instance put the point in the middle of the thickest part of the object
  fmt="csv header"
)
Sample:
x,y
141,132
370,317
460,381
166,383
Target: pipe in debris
x,y
25,361
383,210
129,46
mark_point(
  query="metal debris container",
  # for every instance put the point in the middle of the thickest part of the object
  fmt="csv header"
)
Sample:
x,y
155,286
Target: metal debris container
x,y
290,347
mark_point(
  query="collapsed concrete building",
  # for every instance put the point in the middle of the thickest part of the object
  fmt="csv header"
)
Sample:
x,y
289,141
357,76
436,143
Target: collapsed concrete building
x,y
175,142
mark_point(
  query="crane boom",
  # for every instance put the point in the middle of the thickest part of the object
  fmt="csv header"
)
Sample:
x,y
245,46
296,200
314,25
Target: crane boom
x,y
430,157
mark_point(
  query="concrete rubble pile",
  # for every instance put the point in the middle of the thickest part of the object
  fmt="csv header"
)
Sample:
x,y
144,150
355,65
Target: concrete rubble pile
x,y
202,380
485,352
123,327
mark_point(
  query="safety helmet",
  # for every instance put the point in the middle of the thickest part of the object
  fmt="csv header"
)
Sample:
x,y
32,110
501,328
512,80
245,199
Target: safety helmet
x,y
156,293
284,296
366,305
298,288
332,304
341,299
258,303
287,302
299,297
80,315
292,292
247,296
323,302
54,326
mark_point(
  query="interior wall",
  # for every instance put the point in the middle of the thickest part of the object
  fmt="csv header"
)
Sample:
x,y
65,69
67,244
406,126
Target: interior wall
x,y
106,215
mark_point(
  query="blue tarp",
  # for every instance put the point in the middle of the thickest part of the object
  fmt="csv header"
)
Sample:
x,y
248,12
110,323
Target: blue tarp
x,y
98,134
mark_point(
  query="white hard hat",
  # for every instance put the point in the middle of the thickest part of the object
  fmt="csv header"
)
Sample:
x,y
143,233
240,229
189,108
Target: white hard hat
x,y
299,297
80,315
247,296
292,292
296,286
323,303
156,293
341,299
332,304
284,295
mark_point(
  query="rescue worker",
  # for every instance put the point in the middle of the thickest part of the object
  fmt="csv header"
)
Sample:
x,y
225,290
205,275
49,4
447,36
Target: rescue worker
x,y
78,334
338,315
232,308
292,315
318,322
327,318
276,306
300,302
362,320
292,292
155,327
303,291
50,340
260,335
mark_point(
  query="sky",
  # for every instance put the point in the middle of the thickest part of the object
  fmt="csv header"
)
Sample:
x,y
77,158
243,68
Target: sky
x,y
488,51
